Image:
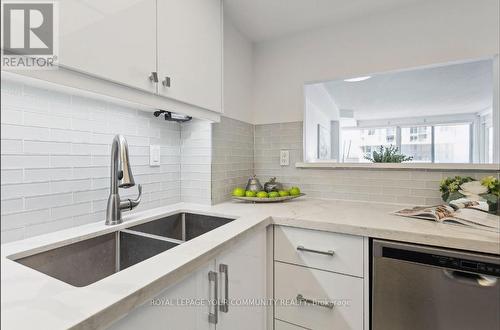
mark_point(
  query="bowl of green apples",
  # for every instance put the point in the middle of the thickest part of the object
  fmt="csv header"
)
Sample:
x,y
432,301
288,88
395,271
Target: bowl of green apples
x,y
266,197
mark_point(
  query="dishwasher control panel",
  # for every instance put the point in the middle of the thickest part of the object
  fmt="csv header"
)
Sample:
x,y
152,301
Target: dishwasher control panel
x,y
460,264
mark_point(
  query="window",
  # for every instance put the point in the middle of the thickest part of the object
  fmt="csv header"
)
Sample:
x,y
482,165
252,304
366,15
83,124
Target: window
x,y
452,143
444,143
416,141
358,143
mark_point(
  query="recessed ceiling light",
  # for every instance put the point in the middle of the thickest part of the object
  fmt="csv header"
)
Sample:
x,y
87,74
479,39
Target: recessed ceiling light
x,y
358,79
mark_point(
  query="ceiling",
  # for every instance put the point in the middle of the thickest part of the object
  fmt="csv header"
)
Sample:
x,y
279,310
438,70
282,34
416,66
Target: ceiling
x,y
262,20
444,90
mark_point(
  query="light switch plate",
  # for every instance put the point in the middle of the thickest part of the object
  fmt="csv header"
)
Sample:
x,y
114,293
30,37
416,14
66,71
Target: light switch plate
x,y
284,157
154,155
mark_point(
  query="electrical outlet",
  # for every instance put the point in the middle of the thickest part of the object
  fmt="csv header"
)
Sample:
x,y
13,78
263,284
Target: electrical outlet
x,y
284,157
154,155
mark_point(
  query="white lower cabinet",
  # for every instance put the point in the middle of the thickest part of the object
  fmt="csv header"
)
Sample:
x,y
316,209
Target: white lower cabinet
x,y
246,263
334,252
240,275
320,280
329,298
166,310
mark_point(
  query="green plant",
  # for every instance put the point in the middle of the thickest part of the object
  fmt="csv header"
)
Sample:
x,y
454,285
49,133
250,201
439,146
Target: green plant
x,y
492,197
388,154
492,183
449,187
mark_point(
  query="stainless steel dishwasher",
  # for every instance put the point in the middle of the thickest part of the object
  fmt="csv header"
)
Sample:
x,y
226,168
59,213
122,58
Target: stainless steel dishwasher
x,y
423,288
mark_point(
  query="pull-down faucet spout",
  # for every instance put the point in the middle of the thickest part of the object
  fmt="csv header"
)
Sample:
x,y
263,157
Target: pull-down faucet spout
x,y
121,177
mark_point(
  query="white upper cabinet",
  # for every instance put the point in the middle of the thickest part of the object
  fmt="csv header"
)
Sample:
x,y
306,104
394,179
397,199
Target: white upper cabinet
x,y
190,51
112,39
125,41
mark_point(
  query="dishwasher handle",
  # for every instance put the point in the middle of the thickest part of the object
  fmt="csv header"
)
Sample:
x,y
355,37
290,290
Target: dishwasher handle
x,y
470,278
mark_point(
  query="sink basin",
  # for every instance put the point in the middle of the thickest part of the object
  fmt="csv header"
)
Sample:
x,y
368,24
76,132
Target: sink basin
x,y
182,226
88,261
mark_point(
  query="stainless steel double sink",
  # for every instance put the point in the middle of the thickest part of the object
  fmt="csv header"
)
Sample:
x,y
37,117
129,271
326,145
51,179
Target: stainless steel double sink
x,y
88,261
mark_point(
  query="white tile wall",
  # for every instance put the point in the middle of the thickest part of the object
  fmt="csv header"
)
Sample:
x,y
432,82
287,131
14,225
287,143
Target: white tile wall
x,y
392,186
196,161
55,158
232,157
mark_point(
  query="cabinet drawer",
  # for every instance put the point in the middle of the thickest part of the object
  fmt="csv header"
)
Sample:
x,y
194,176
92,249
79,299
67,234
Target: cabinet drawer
x,y
347,257
345,292
280,325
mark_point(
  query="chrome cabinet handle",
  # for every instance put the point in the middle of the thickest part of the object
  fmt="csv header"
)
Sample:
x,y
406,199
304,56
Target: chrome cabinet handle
x,y
214,317
223,269
328,253
300,298
153,76
166,82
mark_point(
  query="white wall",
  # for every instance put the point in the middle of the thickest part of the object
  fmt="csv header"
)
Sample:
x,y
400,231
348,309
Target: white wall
x,y
423,34
238,73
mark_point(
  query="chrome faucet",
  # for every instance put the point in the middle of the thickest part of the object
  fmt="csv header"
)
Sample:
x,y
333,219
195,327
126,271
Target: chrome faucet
x,y
121,176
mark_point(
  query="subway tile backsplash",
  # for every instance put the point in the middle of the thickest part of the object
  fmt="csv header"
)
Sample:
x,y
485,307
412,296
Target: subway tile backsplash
x,y
196,156
391,186
232,157
55,158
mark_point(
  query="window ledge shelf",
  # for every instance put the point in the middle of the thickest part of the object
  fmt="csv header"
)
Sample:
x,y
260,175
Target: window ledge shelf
x,y
399,166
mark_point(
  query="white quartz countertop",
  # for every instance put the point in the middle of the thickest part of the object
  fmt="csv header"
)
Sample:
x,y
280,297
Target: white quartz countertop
x,y
32,300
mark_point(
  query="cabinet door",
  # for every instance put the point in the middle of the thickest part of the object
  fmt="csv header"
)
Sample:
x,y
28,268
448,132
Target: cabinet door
x,y
246,280
190,51
169,311
112,39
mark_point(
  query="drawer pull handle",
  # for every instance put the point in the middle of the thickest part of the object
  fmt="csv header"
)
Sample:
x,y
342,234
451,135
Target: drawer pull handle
x,y
301,299
214,317
327,253
224,269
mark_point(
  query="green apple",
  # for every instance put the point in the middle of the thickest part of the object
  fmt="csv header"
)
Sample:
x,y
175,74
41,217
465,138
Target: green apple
x,y
262,194
249,193
239,192
294,191
284,193
273,194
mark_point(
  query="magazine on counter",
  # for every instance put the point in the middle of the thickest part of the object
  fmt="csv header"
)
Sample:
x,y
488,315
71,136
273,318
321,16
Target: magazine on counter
x,y
468,216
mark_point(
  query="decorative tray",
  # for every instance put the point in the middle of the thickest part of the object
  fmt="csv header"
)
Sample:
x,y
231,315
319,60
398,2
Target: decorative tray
x,y
267,200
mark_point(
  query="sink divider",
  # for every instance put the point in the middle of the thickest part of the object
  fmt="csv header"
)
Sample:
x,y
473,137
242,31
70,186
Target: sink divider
x,y
183,224
117,253
161,238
